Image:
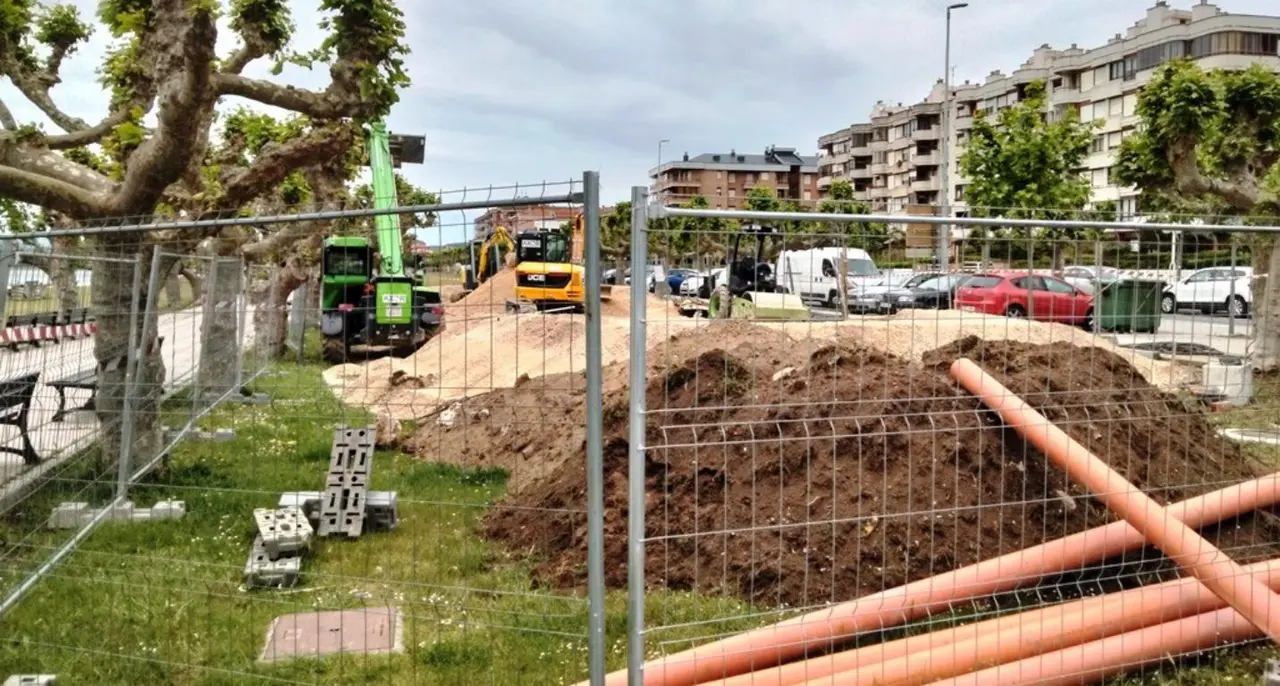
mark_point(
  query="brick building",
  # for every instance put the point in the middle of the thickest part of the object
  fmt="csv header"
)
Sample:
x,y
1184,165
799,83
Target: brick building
x,y
724,179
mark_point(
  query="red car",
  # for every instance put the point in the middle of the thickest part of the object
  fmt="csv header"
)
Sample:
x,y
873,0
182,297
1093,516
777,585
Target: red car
x,y
1020,295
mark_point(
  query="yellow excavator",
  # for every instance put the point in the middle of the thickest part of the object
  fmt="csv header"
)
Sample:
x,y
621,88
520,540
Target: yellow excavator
x,y
549,271
486,258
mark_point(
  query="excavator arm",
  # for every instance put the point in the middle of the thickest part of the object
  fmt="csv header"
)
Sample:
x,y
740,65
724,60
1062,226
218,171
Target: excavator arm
x,y
390,239
499,238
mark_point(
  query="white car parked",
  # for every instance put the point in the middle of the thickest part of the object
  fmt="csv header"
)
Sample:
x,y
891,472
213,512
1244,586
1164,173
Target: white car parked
x,y
1085,278
1208,290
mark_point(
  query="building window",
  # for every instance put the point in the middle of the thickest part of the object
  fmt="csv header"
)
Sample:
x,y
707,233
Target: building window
x,y
1128,207
808,195
1097,144
733,193
1115,107
719,174
959,193
1234,43
1115,70
732,177
1113,140
780,192
764,176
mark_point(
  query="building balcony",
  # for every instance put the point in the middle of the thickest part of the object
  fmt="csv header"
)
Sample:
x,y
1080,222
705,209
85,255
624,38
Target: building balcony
x,y
664,186
879,168
825,181
930,134
880,193
1065,96
925,186
864,173
933,159
963,123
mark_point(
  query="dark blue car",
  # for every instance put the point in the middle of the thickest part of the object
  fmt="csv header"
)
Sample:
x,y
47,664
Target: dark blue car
x,y
677,276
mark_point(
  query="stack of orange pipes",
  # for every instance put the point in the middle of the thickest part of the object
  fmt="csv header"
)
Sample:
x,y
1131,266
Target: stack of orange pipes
x,y
1071,643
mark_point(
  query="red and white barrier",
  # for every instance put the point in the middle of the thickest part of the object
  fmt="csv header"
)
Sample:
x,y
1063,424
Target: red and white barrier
x,y
14,336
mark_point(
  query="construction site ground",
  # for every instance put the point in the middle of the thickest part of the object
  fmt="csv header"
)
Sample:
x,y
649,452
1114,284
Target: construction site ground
x,y
830,459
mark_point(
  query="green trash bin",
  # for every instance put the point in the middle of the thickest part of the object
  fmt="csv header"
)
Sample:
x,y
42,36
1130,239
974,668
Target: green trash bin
x,y
1130,306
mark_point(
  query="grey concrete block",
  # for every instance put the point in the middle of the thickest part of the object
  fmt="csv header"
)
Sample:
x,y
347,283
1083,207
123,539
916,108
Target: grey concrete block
x,y
380,507
260,571
122,512
70,515
31,680
284,532
168,509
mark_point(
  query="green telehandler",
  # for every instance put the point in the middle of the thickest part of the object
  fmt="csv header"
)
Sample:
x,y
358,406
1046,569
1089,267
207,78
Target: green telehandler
x,y
368,297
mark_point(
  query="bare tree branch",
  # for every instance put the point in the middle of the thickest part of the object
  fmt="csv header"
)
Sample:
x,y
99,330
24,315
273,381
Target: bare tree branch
x,y
89,135
50,193
6,118
41,162
36,89
182,41
332,103
1243,191
278,160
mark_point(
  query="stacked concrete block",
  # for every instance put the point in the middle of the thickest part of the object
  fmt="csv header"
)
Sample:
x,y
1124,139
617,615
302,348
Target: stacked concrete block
x,y
284,532
261,571
381,513
75,515
380,509
347,483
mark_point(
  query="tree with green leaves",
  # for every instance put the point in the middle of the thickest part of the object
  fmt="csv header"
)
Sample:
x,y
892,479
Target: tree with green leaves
x,y
1210,144
870,236
163,66
1024,166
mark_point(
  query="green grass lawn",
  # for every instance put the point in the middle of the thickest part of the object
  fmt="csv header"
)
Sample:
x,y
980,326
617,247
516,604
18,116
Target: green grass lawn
x,y
162,603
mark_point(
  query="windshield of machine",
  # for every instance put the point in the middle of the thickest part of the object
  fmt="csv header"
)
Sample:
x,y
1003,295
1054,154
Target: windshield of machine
x,y
347,263
557,248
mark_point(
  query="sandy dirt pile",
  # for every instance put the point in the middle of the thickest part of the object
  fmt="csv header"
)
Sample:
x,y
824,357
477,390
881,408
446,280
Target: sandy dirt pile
x,y
910,470
484,348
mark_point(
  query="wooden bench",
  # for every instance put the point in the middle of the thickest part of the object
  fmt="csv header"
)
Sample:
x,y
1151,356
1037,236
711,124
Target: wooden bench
x,y
85,380
15,406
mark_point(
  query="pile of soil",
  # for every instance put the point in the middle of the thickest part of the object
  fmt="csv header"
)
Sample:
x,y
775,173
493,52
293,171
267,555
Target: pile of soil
x,y
858,471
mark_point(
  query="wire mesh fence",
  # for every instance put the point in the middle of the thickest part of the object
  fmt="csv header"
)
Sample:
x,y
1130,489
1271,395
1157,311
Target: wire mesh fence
x,y
757,456
844,473
311,488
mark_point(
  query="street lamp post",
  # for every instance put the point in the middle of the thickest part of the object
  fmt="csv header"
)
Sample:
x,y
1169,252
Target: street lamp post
x,y
944,230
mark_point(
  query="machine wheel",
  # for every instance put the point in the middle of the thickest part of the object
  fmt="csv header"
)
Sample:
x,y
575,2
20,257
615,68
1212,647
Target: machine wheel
x,y
833,300
1168,304
1015,312
334,350
1237,307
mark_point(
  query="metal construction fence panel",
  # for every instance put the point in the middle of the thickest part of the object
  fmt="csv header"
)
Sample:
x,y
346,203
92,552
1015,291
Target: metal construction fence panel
x,y
778,452
284,516
839,473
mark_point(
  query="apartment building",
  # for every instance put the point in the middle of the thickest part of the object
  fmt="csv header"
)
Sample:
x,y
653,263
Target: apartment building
x,y
724,179
1099,84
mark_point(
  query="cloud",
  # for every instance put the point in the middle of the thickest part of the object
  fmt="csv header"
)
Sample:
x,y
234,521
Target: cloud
x,y
523,92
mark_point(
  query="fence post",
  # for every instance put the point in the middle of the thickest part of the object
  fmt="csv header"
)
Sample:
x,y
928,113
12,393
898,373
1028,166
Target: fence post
x,y
242,335
1097,287
635,455
124,466
1231,299
8,257
595,432
1031,272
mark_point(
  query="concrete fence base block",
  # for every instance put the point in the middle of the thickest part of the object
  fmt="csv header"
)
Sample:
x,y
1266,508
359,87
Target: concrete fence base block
x,y
260,571
31,680
74,515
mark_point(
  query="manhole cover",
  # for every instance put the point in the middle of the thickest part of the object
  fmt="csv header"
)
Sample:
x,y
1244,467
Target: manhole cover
x,y
317,634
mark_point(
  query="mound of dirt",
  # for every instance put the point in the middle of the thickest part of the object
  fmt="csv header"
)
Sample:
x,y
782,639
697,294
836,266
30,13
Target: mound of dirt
x,y
858,471
495,291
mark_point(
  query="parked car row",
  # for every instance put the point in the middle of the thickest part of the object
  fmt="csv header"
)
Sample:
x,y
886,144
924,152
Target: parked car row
x,y
1065,296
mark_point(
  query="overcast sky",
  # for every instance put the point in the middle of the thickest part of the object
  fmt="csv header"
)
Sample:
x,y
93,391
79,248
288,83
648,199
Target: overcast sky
x,y
514,91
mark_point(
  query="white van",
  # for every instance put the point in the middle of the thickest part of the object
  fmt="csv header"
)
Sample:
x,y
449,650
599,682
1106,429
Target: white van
x,y
814,274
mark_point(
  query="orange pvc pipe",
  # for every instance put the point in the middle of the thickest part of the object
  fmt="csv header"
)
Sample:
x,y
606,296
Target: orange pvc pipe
x,y
1037,632
1180,542
949,652
1094,661
792,638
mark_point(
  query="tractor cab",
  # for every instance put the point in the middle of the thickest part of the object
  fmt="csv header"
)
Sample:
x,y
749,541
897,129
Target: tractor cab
x,y
751,271
542,246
